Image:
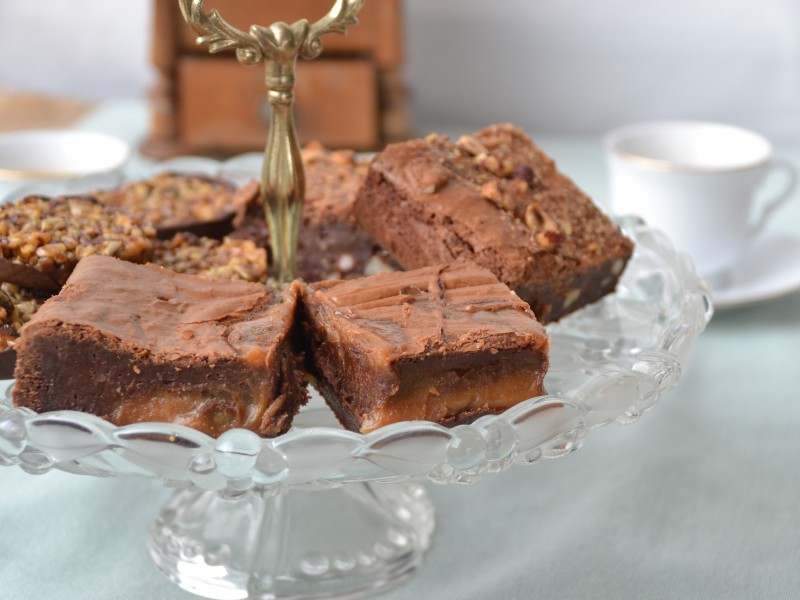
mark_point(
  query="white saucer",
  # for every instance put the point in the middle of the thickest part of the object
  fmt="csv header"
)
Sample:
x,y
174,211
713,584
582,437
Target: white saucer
x,y
770,269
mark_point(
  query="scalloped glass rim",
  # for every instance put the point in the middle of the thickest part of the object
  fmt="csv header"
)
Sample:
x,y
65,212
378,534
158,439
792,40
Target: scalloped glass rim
x,y
610,362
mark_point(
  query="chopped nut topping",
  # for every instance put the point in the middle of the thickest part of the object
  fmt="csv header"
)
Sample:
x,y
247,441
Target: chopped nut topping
x,y
491,191
537,219
45,233
206,257
491,164
313,151
472,146
518,186
17,307
343,158
431,181
432,138
170,199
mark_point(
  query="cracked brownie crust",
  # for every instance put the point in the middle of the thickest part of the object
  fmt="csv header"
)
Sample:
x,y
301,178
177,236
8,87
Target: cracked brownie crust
x,y
496,199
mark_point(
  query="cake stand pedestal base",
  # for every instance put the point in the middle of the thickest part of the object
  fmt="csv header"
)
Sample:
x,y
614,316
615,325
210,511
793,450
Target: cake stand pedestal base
x,y
345,542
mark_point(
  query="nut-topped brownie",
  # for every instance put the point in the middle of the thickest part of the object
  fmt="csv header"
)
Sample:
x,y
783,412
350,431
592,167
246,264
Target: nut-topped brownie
x,y
215,259
17,307
42,239
330,245
136,343
494,198
447,343
176,202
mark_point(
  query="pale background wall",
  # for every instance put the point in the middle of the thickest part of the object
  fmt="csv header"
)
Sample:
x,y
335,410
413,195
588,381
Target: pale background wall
x,y
575,66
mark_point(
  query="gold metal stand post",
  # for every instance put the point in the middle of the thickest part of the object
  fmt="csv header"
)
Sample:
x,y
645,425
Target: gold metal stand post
x,y
278,45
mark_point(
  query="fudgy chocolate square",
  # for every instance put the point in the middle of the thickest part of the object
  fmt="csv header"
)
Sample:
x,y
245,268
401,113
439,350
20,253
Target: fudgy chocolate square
x,y
447,344
211,258
178,202
138,343
42,239
330,244
495,199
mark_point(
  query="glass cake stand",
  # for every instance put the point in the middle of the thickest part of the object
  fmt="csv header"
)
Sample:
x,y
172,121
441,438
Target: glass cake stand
x,y
321,512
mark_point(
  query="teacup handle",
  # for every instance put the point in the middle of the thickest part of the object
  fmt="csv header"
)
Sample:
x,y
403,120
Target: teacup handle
x,y
780,199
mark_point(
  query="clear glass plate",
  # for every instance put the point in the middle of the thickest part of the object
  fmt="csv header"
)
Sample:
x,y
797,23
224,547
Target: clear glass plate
x,y
226,532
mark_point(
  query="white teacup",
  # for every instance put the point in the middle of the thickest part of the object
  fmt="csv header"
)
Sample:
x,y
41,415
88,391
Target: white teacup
x,y
29,158
697,182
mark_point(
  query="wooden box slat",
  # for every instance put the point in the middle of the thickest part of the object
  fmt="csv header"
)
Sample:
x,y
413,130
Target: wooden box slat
x,y
223,104
203,103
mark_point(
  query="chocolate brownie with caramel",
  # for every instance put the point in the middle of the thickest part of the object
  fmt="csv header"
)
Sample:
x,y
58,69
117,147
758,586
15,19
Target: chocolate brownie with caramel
x,y
448,343
136,343
496,199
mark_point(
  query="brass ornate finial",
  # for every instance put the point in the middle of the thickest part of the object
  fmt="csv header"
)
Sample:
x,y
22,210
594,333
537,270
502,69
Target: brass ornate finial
x,y
279,45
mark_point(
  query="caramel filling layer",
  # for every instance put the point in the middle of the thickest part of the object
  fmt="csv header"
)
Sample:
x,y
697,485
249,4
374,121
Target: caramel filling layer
x,y
211,415
473,394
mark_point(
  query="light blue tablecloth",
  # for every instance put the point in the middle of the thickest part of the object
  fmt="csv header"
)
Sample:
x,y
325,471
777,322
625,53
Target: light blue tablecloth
x,y
699,499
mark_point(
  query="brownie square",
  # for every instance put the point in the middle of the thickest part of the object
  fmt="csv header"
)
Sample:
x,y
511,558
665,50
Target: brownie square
x,y
330,244
211,258
179,202
495,199
138,343
17,307
446,344
42,239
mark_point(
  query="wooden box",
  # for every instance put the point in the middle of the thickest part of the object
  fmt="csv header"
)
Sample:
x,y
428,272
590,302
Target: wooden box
x,y
353,96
